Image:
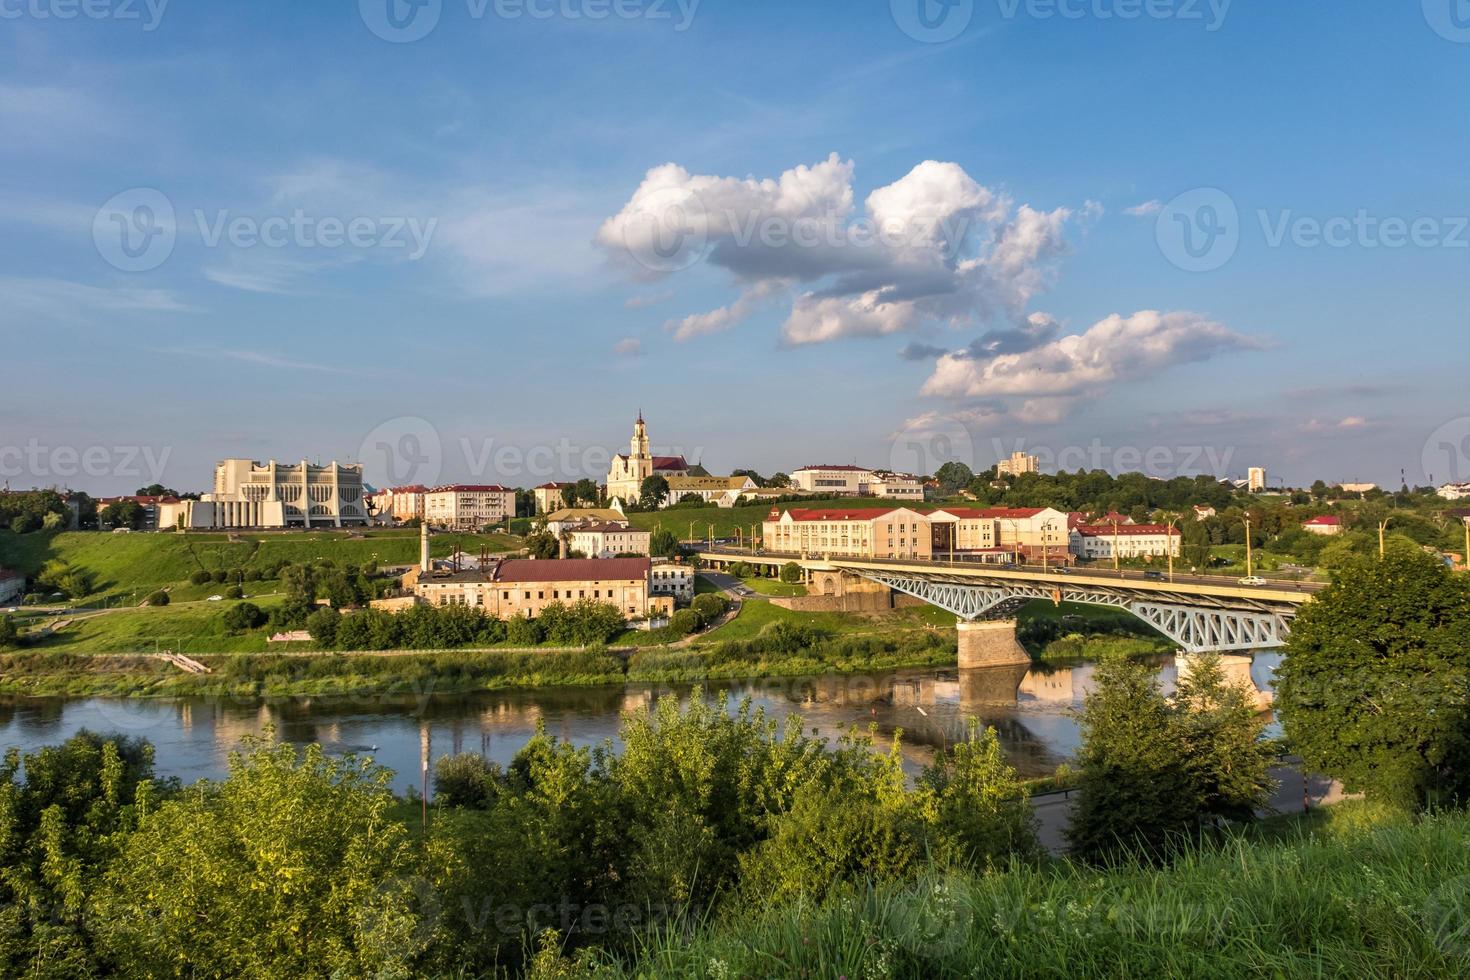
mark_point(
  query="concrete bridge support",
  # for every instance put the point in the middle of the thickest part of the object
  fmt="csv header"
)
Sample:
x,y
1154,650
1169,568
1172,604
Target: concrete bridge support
x,y
990,643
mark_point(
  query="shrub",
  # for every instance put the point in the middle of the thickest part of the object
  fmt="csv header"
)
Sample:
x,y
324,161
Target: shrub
x,y
686,621
24,524
199,578
234,592
9,635
523,632
710,606
220,576
791,573
159,598
464,780
322,625
245,616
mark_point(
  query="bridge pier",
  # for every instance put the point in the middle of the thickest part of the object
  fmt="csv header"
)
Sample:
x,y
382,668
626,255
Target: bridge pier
x,y
990,643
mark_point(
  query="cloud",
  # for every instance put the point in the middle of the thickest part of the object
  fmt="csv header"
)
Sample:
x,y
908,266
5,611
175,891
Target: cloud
x,y
1147,209
61,299
1349,424
261,359
934,246
628,347
650,299
916,351
1048,379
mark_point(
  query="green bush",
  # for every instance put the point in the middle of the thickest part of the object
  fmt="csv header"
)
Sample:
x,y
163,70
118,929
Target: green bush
x,y
159,598
234,592
245,616
200,577
686,622
710,606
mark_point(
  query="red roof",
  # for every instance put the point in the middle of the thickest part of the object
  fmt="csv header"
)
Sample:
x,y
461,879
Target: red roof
x,y
1124,530
465,488
844,469
556,486
856,514
572,569
669,463
1325,520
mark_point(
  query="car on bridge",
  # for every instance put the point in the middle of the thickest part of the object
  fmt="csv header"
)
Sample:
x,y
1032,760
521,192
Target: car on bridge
x,y
1254,580
1154,576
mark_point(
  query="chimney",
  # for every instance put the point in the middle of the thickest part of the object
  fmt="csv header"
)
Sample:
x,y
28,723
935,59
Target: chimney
x,y
561,551
424,547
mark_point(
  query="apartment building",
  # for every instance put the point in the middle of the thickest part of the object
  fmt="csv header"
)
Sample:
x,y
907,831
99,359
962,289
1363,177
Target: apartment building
x,y
1019,463
857,533
398,504
551,497
671,579
833,481
900,487
465,507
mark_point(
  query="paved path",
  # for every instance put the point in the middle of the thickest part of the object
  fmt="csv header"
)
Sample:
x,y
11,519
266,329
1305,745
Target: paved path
x,y
1054,810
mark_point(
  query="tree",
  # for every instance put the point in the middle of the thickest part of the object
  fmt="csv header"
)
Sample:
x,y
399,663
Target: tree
x,y
686,621
1194,544
123,513
779,480
322,625
464,780
1228,752
1373,686
245,616
9,635
663,543
1136,791
584,490
156,490
25,523
200,577
158,598
710,606
543,545
791,573
292,866
755,477
953,477
652,492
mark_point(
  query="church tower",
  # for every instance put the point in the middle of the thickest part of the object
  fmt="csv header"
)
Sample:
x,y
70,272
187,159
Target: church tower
x,y
640,443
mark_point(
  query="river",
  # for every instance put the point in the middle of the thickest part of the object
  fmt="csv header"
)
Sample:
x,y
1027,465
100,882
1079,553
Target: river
x,y
1031,708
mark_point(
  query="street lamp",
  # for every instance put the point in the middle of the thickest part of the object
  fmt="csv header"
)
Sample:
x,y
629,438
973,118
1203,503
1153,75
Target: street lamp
x,y
1249,557
1382,536
1117,550
1169,543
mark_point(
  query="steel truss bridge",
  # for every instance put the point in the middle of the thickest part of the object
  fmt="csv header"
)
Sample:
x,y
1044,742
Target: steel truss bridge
x,y
1199,615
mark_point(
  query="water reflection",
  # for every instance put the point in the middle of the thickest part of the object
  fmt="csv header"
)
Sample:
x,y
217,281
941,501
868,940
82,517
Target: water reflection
x,y
1031,708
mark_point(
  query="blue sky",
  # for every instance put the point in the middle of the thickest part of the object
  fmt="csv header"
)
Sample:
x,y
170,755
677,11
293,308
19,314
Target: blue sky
x,y
510,338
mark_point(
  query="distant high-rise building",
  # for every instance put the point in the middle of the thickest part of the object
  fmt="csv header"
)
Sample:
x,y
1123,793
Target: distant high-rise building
x,y
1256,479
1018,464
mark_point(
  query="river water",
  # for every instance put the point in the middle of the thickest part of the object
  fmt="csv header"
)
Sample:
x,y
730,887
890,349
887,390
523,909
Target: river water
x,y
1031,708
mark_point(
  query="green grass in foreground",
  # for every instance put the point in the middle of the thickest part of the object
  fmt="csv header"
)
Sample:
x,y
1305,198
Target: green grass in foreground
x,y
774,587
1336,895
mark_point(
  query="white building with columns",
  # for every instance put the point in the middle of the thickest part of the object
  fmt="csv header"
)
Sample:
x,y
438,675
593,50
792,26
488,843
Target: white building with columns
x,y
248,494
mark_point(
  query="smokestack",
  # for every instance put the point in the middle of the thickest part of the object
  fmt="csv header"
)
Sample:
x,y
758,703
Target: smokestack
x,y
424,547
561,551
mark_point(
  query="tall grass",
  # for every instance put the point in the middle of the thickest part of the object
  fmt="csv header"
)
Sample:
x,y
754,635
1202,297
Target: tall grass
x,y
1391,901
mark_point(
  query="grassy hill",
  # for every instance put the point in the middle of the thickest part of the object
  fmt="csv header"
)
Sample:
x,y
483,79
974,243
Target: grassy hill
x,y
138,563
727,519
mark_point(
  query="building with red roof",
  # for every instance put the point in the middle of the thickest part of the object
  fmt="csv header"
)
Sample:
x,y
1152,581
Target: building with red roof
x,y
1325,525
1096,542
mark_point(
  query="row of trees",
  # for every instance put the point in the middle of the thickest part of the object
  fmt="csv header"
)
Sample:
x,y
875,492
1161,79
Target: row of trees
x,y
583,623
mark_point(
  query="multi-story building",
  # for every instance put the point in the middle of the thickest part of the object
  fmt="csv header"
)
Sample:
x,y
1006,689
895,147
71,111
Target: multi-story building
x,y
12,587
1454,491
551,497
1018,464
524,587
398,504
857,533
1021,533
248,494
901,487
608,540
672,579
1255,479
833,480
571,518
465,507
626,474
1105,541
1203,512
148,504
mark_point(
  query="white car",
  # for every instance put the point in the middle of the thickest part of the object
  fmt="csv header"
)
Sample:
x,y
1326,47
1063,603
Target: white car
x,y
1253,580
215,598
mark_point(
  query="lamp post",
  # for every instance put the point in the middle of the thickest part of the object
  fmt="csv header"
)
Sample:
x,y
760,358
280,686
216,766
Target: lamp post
x,y
1249,556
1382,537
1169,544
1117,551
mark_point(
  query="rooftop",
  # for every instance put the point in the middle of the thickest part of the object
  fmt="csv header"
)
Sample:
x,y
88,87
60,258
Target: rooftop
x,y
1125,530
527,570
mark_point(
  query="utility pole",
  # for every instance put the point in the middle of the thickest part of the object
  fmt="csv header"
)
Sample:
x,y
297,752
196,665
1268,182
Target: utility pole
x,y
1249,557
1169,545
1382,537
1117,551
